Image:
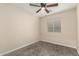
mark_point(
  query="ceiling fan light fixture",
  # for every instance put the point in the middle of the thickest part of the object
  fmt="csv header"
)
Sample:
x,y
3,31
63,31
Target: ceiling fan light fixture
x,y
42,8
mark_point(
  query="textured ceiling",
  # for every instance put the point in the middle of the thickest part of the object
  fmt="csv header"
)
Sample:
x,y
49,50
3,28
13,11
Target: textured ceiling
x,y
32,10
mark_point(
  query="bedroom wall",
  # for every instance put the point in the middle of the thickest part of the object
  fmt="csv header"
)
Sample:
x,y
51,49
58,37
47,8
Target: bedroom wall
x,y
68,34
78,28
17,28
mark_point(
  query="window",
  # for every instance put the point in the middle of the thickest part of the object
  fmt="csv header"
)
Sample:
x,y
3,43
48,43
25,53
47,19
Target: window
x,y
54,25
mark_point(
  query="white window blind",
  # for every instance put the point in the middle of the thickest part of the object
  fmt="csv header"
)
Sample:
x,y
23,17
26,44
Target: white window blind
x,y
54,25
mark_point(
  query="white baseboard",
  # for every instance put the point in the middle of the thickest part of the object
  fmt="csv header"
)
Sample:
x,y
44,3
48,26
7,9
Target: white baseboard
x,y
59,43
17,48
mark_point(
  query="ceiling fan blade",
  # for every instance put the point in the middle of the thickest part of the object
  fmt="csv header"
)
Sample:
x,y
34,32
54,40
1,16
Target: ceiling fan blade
x,y
46,10
34,5
52,5
38,10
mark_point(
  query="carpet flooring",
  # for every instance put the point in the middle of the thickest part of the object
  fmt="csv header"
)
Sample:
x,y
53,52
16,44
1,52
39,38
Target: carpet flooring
x,y
44,49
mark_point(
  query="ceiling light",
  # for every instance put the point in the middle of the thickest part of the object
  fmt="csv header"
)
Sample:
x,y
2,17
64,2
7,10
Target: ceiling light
x,y
43,8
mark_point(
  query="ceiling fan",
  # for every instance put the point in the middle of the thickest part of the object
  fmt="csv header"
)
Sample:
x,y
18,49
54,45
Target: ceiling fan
x,y
44,6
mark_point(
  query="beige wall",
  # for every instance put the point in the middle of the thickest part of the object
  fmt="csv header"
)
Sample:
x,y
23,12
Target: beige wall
x,y
78,28
68,35
17,28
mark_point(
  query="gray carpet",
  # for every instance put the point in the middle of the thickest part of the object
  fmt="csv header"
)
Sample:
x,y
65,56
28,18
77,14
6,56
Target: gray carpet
x,y
44,49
